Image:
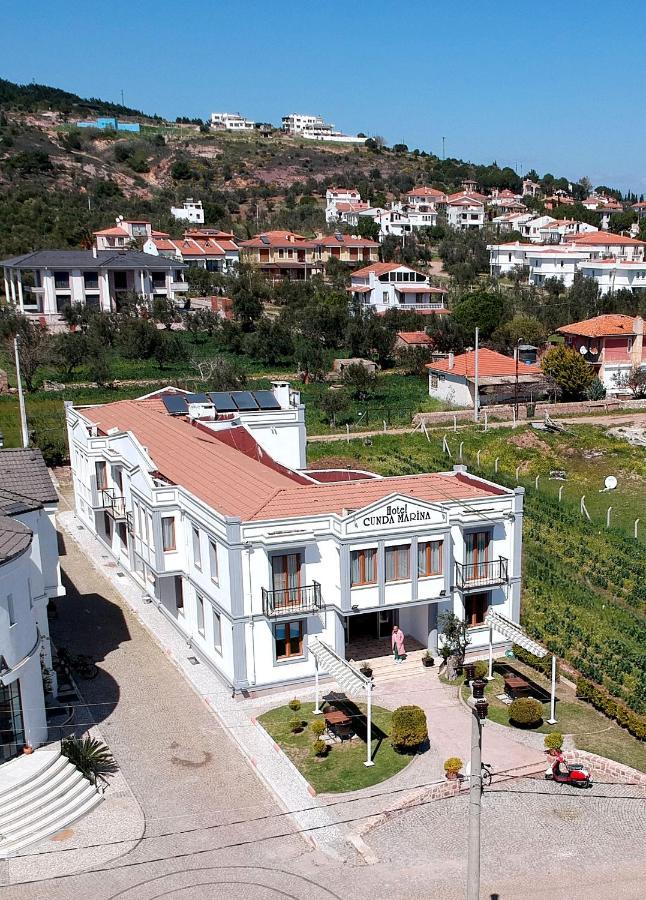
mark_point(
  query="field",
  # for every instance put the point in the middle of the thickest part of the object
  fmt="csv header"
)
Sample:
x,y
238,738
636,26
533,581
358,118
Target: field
x,y
584,592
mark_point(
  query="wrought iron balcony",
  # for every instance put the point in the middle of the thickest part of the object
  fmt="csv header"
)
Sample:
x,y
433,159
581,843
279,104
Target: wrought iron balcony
x,y
292,600
114,504
472,576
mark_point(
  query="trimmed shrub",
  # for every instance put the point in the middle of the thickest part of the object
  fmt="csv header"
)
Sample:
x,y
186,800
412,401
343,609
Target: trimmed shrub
x,y
453,764
318,727
526,712
295,724
294,704
319,747
553,740
409,728
481,668
92,757
609,706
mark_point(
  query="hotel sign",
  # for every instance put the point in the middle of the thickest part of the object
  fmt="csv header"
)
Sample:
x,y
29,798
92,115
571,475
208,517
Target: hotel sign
x,y
397,514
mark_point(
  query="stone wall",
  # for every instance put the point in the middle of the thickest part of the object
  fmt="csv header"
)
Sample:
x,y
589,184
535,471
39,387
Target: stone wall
x,y
606,768
506,413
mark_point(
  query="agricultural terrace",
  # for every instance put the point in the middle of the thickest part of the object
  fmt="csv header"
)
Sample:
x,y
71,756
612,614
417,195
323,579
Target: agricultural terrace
x,y
584,590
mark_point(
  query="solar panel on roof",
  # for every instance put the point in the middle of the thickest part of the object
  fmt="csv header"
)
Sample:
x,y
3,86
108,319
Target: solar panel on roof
x,y
266,400
175,405
244,400
222,401
197,398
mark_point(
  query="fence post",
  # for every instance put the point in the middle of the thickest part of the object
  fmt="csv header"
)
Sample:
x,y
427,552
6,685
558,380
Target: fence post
x,y
584,509
478,457
561,492
517,473
461,446
486,423
495,465
536,481
635,528
513,417
455,422
347,434
608,516
445,446
385,426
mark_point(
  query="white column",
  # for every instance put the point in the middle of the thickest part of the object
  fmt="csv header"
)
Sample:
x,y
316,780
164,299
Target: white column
x,y
552,718
20,297
13,287
369,761
490,675
6,287
317,711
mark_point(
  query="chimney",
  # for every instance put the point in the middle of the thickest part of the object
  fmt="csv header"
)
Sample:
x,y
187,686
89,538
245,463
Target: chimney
x,y
451,360
280,390
94,252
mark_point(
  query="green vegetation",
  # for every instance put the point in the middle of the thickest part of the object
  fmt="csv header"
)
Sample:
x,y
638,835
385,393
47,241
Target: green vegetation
x,y
553,740
525,712
342,768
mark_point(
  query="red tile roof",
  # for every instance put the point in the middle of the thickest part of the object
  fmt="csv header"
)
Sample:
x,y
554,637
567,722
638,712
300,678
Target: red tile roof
x,y
419,338
601,326
113,232
276,239
605,239
425,192
381,269
343,240
235,482
490,364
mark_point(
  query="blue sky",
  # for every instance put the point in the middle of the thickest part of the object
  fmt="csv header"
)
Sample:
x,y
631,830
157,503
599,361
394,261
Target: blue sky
x,y
555,86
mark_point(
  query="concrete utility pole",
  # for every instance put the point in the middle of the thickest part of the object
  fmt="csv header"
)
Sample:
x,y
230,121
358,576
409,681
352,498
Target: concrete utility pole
x,y
476,386
478,715
21,400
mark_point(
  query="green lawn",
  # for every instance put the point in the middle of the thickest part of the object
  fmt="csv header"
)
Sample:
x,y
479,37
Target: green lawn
x,y
343,768
591,730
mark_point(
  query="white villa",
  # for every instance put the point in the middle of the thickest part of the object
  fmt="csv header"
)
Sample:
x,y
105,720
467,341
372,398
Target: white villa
x,y
190,211
231,122
206,501
384,286
465,211
29,577
342,200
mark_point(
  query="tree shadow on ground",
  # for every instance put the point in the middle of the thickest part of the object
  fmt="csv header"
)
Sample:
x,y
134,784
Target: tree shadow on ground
x,y
358,718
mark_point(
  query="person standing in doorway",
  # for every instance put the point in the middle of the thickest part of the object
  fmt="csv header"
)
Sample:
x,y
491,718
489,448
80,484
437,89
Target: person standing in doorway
x,y
397,644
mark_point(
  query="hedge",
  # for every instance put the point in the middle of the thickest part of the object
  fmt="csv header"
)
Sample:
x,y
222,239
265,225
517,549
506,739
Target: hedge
x,y
541,664
614,709
526,711
408,730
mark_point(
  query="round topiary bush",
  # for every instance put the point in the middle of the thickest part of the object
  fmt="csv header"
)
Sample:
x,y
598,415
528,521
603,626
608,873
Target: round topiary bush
x,y
294,704
526,712
553,740
319,747
295,724
452,766
408,730
318,727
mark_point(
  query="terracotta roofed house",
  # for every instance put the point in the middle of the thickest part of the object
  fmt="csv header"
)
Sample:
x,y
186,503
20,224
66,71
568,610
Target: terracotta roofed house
x,y
384,286
207,502
501,379
613,344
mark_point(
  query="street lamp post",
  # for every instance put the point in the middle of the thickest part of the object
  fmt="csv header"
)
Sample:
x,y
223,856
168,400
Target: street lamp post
x,y
479,708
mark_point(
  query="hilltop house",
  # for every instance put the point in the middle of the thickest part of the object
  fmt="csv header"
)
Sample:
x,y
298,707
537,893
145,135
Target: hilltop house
x,y
384,286
465,211
612,344
190,211
231,122
206,501
500,379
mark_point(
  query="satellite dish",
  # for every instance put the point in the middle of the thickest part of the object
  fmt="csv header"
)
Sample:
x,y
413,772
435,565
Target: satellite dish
x,y
610,483
583,350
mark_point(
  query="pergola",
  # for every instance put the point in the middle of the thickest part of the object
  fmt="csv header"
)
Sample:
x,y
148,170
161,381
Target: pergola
x,y
347,677
515,633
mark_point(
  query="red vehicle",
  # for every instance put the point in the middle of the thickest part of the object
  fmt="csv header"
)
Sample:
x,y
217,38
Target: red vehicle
x,y
566,773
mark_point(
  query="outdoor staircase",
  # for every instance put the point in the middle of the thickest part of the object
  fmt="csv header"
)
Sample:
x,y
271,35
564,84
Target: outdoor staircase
x,y
40,794
385,669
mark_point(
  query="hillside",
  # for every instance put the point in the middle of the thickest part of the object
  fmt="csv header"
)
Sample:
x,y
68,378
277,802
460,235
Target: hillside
x,y
58,183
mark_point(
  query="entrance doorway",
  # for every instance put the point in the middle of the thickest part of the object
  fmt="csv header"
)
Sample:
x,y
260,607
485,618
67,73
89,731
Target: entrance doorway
x,y
12,735
367,635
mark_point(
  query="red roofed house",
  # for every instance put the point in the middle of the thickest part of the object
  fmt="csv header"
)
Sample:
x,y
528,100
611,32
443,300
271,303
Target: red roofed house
x,y
281,255
613,344
465,211
205,248
384,286
125,234
405,340
257,561
335,198
426,197
501,379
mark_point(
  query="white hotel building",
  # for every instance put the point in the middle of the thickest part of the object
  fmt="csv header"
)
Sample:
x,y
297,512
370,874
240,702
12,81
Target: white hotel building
x,y
207,502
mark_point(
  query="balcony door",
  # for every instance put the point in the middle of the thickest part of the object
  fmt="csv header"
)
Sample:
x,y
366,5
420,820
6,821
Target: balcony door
x,y
477,550
286,578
